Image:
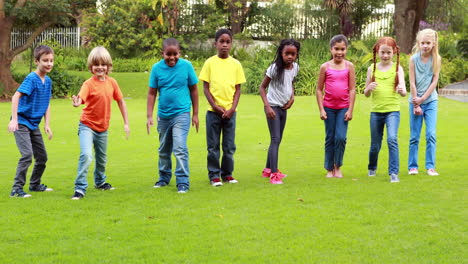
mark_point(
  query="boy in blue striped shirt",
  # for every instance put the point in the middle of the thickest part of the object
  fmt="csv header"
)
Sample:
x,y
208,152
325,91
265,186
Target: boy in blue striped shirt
x,y
29,104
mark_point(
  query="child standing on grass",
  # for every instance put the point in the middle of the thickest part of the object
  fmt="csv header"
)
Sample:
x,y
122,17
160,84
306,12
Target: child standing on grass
x,y
222,76
97,94
337,78
386,83
279,80
424,69
176,81
29,104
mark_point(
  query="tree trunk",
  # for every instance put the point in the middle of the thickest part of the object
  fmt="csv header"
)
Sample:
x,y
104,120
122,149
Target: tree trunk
x,y
7,84
407,15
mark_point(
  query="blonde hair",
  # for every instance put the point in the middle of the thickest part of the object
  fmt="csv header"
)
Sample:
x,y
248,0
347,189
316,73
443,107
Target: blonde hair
x,y
100,55
436,60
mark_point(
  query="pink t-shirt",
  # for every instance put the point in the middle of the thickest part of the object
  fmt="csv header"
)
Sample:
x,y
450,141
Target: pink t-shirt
x,y
336,88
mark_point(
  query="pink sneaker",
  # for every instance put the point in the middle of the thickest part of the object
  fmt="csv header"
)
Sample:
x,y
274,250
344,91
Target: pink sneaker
x,y
432,172
281,175
413,171
266,173
275,178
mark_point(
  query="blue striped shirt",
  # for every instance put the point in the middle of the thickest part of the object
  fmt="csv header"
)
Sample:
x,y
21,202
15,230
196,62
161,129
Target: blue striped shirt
x,y
35,100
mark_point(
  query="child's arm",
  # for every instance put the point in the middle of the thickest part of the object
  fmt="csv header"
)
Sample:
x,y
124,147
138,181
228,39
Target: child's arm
x,y
123,110
268,110
319,91
194,97
401,87
210,98
370,85
352,92
228,113
151,98
13,125
430,89
47,129
76,100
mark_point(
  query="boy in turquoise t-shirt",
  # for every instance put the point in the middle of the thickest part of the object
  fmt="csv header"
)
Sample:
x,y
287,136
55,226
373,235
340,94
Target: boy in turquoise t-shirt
x,y
222,76
177,84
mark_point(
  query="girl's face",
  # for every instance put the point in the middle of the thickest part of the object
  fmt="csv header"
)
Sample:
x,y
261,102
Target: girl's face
x,y
338,51
100,70
171,55
385,53
45,63
426,44
289,54
223,45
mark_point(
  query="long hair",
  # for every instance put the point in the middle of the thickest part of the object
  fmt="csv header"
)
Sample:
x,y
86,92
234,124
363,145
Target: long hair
x,y
435,50
396,50
278,75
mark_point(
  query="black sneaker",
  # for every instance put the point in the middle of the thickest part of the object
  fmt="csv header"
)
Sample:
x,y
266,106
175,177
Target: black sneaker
x,y
182,189
40,188
160,184
105,187
77,196
19,193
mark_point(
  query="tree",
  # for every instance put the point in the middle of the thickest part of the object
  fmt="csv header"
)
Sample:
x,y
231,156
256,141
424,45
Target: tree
x,y
407,15
343,7
238,13
37,15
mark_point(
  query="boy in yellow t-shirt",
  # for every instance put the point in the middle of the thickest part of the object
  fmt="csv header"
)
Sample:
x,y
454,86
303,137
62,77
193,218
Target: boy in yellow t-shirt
x,y
222,76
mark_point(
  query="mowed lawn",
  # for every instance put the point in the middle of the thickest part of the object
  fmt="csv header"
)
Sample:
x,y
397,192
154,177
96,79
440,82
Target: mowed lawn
x,y
309,219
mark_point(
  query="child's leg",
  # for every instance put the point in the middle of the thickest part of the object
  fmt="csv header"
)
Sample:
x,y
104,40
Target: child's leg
x,y
229,146
23,141
213,133
86,136
40,156
392,121
430,116
341,129
330,126
377,122
165,149
100,150
415,132
274,126
180,132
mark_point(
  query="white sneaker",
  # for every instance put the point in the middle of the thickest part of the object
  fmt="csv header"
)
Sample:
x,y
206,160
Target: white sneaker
x,y
413,171
216,182
394,178
432,172
372,173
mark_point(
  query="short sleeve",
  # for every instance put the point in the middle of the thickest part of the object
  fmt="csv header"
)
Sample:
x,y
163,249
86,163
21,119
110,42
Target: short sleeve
x,y
117,92
240,78
192,76
270,71
84,92
153,80
205,72
26,86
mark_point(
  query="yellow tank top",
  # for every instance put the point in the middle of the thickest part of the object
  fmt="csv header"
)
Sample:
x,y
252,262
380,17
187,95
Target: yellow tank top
x,y
384,97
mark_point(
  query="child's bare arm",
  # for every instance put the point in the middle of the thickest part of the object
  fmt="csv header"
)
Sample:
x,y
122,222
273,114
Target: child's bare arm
x,y
210,98
401,88
194,98
352,92
262,90
13,125
151,99
370,85
319,91
76,100
123,110
47,128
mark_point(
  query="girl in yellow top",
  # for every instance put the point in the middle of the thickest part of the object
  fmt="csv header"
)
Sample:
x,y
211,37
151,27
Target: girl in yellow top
x,y
222,76
386,83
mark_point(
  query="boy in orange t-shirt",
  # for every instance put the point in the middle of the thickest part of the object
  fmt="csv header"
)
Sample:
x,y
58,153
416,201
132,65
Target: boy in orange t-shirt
x,y
97,93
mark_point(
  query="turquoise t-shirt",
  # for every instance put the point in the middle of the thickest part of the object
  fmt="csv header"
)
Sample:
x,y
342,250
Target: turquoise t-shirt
x,y
424,74
173,86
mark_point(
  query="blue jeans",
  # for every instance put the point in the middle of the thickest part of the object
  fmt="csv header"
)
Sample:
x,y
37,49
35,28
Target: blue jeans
x,y
88,138
377,123
336,129
173,134
215,126
430,117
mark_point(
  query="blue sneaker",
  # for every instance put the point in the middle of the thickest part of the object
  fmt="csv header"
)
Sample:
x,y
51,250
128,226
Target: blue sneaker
x,y
182,189
394,178
372,173
77,196
19,193
160,184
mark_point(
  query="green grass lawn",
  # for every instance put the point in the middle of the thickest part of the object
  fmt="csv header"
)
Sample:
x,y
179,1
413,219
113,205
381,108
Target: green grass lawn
x,y
309,219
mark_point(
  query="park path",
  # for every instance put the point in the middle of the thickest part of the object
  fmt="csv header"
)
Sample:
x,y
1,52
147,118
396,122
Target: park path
x,y
456,91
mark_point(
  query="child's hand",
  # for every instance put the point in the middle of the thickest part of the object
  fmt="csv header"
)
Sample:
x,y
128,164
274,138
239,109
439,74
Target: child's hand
x,y
195,122
288,104
12,126
417,100
323,115
228,114
348,115
417,110
127,131
49,133
219,109
76,100
401,90
149,124
372,86
270,113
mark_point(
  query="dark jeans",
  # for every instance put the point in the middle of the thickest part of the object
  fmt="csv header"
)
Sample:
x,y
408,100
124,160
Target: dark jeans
x,y
30,143
336,129
215,126
276,127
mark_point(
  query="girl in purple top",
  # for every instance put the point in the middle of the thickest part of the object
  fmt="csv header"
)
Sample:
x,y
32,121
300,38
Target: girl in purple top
x,y
337,79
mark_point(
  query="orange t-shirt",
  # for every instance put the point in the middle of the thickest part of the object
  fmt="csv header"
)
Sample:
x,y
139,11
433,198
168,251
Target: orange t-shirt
x,y
98,95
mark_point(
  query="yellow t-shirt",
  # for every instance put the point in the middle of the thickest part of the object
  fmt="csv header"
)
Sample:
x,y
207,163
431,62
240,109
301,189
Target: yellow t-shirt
x,y
223,75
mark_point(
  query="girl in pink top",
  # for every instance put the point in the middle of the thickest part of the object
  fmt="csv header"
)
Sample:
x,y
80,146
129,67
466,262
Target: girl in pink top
x,y
337,79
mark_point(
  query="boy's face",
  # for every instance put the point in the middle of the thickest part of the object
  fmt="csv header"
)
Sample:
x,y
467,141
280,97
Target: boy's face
x,y
171,55
100,70
45,63
223,45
